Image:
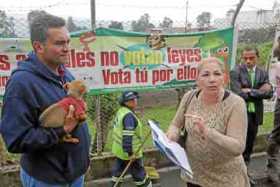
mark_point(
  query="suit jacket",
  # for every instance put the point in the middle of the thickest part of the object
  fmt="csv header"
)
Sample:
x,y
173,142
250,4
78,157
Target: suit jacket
x,y
239,78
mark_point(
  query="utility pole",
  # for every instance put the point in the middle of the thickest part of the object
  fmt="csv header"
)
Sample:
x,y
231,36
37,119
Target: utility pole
x,y
93,14
186,24
98,144
239,6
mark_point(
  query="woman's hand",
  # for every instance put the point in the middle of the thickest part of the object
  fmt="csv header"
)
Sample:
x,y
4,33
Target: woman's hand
x,y
172,133
171,136
199,125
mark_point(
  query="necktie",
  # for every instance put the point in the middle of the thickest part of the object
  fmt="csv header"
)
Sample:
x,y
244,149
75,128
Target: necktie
x,y
252,76
251,105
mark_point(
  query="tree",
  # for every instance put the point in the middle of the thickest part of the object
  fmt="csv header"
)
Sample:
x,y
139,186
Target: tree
x,y
7,26
230,12
71,26
203,20
277,16
258,35
166,24
142,24
116,25
108,106
33,14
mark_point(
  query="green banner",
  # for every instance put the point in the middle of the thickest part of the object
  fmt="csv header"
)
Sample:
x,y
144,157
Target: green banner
x,y
111,60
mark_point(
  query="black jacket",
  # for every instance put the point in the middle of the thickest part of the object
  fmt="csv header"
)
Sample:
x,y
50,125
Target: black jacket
x,y
239,78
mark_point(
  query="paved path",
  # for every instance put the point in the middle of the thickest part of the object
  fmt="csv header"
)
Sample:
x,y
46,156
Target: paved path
x,y
170,177
258,169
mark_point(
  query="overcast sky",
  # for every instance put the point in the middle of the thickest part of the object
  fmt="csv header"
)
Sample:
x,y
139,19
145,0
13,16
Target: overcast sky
x,y
122,10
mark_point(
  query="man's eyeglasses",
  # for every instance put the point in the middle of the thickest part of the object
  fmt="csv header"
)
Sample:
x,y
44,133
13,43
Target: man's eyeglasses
x,y
249,58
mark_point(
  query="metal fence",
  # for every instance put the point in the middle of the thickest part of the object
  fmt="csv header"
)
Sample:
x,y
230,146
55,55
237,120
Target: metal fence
x,y
261,37
102,108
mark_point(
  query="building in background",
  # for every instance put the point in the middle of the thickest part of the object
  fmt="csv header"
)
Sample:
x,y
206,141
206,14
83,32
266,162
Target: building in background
x,y
252,19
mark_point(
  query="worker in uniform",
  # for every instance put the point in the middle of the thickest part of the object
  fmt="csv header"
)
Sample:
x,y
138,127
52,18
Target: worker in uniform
x,y
127,140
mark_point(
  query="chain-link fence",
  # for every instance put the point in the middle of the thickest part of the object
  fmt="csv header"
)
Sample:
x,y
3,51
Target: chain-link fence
x,y
160,105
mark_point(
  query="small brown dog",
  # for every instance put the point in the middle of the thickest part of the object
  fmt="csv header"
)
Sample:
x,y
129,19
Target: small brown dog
x,y
54,115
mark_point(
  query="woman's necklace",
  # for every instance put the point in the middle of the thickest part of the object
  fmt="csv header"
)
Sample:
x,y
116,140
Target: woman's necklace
x,y
212,114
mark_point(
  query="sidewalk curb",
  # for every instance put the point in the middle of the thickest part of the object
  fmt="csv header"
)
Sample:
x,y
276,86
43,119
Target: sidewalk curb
x,y
105,181
260,178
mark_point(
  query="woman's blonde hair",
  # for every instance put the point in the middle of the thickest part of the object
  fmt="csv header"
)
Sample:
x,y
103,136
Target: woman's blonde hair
x,y
211,60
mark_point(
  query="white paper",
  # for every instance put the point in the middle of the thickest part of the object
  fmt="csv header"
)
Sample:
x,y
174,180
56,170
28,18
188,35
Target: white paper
x,y
171,149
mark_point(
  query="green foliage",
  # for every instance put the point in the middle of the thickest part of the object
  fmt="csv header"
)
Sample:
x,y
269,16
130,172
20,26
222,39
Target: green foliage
x,y
267,123
163,115
166,24
264,52
257,36
108,102
7,26
116,25
5,157
142,24
108,106
260,38
203,20
92,129
72,27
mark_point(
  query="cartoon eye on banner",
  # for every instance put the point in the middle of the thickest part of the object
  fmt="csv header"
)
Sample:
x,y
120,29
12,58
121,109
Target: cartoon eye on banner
x,y
111,60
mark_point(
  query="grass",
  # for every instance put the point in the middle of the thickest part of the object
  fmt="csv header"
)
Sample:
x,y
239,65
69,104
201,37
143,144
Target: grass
x,y
164,116
267,123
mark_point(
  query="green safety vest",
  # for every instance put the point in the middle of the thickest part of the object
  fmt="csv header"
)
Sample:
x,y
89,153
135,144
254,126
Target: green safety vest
x,y
118,133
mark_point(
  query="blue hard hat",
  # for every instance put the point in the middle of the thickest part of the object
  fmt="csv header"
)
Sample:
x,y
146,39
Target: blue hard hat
x,y
128,95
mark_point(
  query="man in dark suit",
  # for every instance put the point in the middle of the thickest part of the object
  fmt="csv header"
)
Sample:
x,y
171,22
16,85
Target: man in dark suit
x,y
252,84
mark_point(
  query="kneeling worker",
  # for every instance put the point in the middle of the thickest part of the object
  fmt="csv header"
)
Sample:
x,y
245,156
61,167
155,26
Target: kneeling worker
x,y
127,138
